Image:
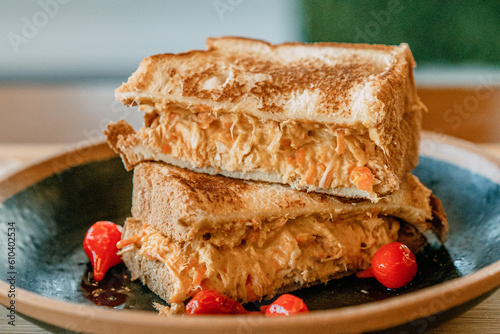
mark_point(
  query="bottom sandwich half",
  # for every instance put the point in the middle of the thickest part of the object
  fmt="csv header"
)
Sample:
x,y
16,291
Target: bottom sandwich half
x,y
251,240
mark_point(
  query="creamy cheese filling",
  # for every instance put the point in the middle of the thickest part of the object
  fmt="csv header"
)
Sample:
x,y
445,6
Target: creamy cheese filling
x,y
306,250
302,153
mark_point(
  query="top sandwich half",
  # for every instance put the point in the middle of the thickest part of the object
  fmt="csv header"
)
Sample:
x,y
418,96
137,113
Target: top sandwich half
x,y
342,119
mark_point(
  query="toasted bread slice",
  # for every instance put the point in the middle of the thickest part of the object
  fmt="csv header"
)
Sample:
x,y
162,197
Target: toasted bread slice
x,y
351,85
313,116
252,240
184,205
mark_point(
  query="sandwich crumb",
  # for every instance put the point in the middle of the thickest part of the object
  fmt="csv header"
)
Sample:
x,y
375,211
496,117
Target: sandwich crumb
x,y
173,309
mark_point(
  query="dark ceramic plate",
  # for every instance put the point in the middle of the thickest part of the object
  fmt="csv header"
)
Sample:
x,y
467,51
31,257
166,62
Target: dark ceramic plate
x,y
52,204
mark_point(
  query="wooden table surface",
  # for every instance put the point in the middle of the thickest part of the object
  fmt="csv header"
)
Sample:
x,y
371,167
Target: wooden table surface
x,y
484,318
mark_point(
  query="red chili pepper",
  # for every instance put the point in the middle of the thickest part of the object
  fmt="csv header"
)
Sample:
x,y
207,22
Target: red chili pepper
x,y
100,246
393,265
212,302
285,305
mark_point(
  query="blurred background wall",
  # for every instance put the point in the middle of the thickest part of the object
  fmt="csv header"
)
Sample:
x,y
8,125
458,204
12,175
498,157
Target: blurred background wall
x,y
60,60
72,39
444,32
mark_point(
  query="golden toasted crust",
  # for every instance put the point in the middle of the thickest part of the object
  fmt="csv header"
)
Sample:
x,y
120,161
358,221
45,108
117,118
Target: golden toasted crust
x,y
439,220
183,204
116,133
366,87
336,83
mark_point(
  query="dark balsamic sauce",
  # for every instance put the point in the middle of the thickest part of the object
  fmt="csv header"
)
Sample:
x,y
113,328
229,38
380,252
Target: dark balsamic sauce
x,y
112,291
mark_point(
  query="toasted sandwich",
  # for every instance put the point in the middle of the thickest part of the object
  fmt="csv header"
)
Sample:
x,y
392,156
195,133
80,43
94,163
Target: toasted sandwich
x,y
341,119
250,240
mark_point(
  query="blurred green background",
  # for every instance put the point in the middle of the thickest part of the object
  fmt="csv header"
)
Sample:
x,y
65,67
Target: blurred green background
x,y
447,32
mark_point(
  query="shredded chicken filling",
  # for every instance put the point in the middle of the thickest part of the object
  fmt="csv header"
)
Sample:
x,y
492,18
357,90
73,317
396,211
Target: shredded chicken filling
x,y
233,233
301,153
305,250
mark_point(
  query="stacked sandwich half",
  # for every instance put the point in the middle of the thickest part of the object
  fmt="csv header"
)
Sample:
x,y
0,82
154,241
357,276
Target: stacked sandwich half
x,y
265,168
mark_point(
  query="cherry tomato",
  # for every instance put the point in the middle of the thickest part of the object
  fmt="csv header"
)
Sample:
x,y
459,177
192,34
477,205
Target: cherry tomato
x,y
212,302
393,265
100,246
285,305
